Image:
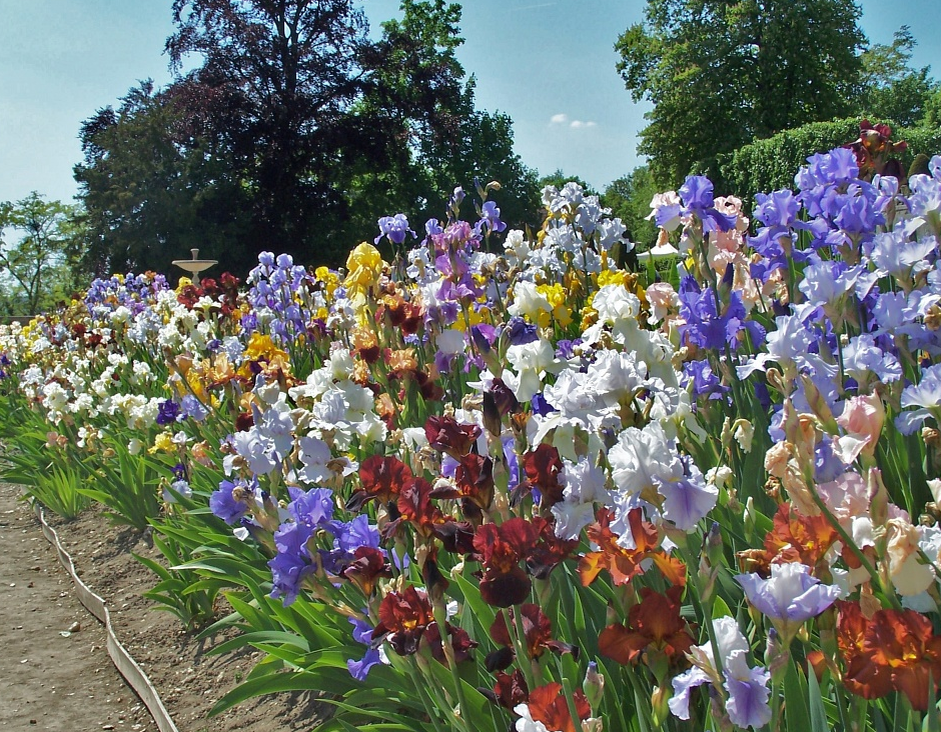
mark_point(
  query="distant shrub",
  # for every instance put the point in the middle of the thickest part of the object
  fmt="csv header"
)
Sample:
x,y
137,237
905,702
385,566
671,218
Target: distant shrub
x,y
769,164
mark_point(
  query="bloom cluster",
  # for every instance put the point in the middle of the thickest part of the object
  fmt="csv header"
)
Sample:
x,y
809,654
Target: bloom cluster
x,y
501,457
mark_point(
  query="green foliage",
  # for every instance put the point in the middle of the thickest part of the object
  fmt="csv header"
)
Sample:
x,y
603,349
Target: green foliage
x,y
722,74
889,88
153,188
37,269
177,592
558,178
127,485
49,476
629,198
59,490
769,164
296,142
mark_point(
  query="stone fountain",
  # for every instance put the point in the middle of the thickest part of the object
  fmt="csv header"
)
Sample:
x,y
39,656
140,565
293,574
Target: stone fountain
x,y
195,265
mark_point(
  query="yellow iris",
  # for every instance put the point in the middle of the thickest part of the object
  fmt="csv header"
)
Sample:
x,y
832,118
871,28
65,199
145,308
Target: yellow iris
x,y
261,346
163,443
561,313
365,266
330,280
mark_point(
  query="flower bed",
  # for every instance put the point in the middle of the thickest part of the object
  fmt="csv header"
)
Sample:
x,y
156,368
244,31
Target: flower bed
x,y
466,490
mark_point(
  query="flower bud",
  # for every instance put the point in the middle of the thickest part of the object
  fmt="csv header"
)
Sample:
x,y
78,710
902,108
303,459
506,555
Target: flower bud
x,y
750,519
659,700
593,685
879,497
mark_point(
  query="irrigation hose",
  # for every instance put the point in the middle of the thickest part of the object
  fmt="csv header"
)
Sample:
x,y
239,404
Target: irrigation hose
x,y
122,660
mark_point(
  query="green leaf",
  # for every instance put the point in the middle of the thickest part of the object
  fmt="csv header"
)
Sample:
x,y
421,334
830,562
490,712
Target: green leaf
x,y
721,609
818,715
797,714
932,721
268,684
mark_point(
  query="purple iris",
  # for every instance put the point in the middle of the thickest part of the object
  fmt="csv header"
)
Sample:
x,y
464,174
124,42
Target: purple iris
x,y
362,633
394,227
779,208
167,412
287,574
791,595
748,698
540,405
696,194
707,328
827,466
519,332
490,218
313,508
483,336
358,532
223,504
705,381
192,407
433,227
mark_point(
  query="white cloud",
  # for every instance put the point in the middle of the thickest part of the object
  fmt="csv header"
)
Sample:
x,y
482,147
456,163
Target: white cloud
x,y
575,124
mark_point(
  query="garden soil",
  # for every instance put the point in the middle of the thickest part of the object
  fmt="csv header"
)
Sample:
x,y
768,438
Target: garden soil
x,y
52,678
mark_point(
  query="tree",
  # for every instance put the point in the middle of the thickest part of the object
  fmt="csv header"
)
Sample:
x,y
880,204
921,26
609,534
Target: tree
x,y
889,88
629,198
281,78
155,186
559,178
437,138
295,133
36,268
721,73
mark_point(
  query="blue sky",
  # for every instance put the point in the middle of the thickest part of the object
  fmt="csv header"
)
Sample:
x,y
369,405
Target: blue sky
x,y
549,65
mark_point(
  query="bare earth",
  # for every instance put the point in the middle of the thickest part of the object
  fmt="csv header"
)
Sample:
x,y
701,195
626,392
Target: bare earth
x,y
49,681
69,683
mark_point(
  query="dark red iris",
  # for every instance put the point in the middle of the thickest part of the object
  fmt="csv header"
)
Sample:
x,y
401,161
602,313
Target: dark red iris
x,y
404,617
537,630
510,689
382,478
448,435
473,482
542,467
502,548
369,564
654,622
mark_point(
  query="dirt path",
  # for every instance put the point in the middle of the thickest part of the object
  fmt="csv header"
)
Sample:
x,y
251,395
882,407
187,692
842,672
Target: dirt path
x,y
51,678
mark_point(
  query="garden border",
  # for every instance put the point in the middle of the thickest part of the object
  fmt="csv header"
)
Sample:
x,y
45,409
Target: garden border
x,y
120,657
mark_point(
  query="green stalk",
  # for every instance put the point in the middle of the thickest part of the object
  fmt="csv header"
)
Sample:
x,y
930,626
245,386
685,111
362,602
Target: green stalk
x,y
857,552
420,686
441,620
518,636
569,694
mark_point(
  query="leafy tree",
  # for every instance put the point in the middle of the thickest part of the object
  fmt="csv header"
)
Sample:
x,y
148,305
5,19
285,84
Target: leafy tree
x,y
721,73
154,187
36,268
559,178
295,133
629,198
280,79
438,139
889,88
932,117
